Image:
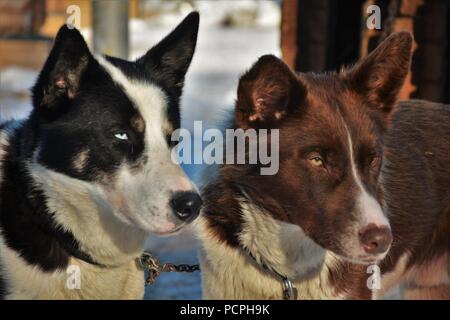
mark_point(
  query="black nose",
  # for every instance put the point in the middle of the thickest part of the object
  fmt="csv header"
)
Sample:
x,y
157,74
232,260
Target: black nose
x,y
186,205
375,239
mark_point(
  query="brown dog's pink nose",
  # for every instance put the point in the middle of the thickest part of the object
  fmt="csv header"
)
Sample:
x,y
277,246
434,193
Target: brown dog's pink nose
x,y
374,239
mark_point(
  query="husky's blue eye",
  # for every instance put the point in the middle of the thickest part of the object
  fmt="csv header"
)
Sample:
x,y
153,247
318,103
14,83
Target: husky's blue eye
x,y
121,136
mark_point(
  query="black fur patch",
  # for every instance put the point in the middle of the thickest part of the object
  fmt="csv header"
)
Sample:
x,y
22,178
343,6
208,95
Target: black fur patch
x,y
165,65
27,225
2,288
86,122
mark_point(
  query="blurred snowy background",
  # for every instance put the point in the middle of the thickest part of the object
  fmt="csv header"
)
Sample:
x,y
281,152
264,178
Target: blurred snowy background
x,y
233,34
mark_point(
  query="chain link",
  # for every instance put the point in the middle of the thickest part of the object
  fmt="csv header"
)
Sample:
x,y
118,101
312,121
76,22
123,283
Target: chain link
x,y
154,268
148,262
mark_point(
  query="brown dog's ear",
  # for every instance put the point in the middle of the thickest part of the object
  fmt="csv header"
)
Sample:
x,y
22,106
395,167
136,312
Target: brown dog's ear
x,y
380,76
266,93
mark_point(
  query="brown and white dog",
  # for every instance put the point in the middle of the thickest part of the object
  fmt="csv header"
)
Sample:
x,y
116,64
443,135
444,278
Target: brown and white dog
x,y
326,220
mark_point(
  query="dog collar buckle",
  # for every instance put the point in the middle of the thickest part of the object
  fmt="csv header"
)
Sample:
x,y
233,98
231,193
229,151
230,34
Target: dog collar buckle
x,y
289,291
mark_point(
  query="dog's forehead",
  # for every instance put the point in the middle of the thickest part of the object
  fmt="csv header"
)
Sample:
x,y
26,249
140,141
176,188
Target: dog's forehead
x,y
361,125
341,111
317,122
149,100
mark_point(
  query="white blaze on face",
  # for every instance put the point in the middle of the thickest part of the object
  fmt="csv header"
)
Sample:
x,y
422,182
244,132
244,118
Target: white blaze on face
x,y
143,194
367,205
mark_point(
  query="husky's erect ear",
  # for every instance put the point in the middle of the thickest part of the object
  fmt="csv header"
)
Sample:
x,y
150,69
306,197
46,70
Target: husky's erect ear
x,y
59,80
169,60
266,93
380,76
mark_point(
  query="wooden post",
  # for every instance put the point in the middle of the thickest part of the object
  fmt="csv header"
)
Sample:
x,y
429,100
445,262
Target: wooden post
x,y
135,9
366,34
110,24
400,16
289,32
407,12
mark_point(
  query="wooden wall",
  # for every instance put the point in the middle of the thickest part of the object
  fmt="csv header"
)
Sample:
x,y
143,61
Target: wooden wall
x,y
327,34
28,26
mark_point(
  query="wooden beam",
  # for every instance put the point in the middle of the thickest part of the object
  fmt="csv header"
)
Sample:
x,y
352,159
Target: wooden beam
x,y
17,52
407,12
110,27
289,34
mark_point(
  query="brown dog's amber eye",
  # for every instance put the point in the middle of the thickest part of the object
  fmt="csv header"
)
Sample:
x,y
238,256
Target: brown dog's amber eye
x,y
317,162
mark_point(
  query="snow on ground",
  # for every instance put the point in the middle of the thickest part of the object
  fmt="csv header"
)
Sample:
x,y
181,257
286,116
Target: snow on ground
x,y
222,55
14,95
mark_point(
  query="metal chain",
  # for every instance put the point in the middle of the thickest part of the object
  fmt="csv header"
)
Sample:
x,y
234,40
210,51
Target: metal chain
x,y
183,267
148,262
151,264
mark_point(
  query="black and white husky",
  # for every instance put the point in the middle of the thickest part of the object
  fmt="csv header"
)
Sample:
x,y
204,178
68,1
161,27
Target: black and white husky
x,y
89,174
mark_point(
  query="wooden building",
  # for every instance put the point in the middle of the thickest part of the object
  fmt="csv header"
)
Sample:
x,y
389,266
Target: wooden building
x,y
21,42
324,35
316,35
27,27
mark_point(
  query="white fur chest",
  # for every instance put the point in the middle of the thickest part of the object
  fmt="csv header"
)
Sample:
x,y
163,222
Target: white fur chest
x,y
228,273
79,281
